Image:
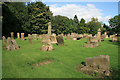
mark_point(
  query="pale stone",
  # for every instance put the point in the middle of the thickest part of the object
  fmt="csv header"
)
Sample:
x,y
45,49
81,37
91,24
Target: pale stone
x,y
18,35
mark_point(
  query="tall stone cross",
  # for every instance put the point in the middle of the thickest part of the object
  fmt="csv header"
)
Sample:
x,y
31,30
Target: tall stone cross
x,y
49,32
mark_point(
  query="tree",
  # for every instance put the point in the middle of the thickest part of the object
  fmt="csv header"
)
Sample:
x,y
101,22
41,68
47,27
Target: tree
x,y
93,25
62,24
76,19
115,23
39,16
13,17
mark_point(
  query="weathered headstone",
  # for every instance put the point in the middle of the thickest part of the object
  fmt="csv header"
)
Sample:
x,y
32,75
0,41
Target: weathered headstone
x,y
47,47
22,36
99,35
115,39
60,40
4,40
53,38
100,63
91,42
106,36
12,35
45,38
11,44
30,38
18,35
97,65
34,36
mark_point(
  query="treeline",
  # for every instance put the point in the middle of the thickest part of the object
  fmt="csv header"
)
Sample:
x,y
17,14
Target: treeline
x,y
34,18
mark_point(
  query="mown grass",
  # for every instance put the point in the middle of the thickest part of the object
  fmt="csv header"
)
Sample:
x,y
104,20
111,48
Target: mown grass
x,y
18,63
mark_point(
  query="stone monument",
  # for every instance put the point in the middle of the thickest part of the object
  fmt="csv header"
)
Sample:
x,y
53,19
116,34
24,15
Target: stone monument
x,y
18,35
22,36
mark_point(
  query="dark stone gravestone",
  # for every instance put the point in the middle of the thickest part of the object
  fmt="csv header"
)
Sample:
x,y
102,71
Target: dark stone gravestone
x,y
60,40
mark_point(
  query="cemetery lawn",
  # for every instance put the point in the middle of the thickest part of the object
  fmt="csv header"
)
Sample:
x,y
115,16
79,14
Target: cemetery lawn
x,y
64,59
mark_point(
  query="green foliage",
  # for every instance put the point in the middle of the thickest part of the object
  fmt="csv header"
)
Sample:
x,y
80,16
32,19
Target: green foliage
x,y
62,24
93,25
76,20
39,16
115,23
18,17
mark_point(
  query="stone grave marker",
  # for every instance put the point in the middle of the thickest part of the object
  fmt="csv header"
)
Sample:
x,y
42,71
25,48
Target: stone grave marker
x,y
30,38
4,40
53,38
60,40
34,36
11,44
22,36
18,35
99,35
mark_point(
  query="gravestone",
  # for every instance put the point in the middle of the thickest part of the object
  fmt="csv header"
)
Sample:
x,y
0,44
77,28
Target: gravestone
x,y
74,38
40,36
60,40
12,35
97,65
11,44
107,36
44,37
99,35
100,63
34,36
103,36
53,38
47,47
18,35
30,38
111,36
4,40
22,36
115,39
91,42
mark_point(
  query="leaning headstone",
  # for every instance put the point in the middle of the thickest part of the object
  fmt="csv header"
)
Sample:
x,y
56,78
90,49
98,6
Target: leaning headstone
x,y
12,35
11,44
53,38
18,35
22,36
60,40
4,40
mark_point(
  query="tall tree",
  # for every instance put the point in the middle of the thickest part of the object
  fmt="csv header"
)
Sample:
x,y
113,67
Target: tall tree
x,y
39,16
76,19
115,23
94,24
